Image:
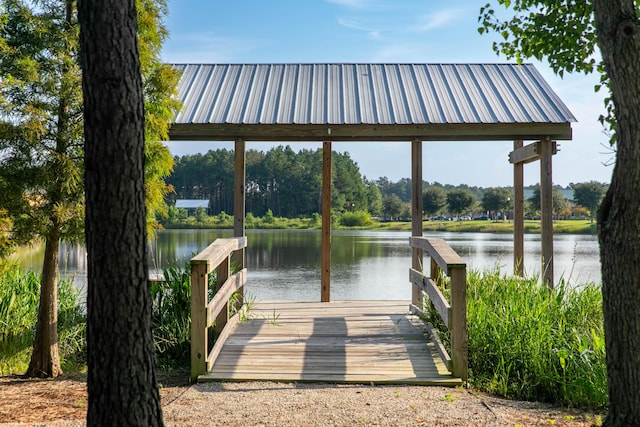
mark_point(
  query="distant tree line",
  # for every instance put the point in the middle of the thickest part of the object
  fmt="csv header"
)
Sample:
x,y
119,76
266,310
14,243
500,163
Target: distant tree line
x,y
289,184
286,182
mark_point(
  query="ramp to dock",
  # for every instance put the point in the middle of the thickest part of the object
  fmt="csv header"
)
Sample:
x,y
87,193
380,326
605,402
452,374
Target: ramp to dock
x,y
341,342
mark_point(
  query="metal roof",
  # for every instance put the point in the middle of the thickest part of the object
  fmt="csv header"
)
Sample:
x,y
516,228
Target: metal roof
x,y
192,203
395,101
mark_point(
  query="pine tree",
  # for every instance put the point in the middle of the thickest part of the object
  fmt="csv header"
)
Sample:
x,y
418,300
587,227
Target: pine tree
x,y
41,137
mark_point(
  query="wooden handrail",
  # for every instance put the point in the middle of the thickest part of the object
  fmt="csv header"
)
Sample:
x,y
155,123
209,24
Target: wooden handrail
x,y
204,313
454,314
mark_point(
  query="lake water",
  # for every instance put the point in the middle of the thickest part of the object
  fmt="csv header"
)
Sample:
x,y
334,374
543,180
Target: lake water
x,y
285,264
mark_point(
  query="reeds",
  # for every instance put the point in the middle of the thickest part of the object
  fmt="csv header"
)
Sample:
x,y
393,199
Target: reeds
x,y
19,300
529,342
171,316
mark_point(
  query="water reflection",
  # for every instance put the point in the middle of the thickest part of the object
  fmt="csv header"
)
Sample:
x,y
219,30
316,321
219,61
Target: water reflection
x,y
285,264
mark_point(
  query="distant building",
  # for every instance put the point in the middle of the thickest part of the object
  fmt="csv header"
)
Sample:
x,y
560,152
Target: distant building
x,y
192,204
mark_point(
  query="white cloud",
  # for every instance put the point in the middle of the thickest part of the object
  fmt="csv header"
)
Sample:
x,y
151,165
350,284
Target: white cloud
x,y
354,24
436,20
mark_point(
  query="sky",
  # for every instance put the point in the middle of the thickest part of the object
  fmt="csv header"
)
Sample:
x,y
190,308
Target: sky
x,y
384,31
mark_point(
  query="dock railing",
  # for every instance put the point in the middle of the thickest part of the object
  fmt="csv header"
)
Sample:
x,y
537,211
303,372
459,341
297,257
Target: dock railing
x,y
206,314
445,260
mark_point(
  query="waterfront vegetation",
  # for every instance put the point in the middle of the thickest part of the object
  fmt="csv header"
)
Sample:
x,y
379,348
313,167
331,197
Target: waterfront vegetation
x,y
19,299
525,341
529,342
360,220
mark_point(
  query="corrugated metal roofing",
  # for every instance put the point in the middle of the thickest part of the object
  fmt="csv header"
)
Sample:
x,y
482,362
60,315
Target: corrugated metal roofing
x,y
192,203
366,94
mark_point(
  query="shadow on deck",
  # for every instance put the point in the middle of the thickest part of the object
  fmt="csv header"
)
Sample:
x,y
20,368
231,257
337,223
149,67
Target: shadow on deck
x,y
339,342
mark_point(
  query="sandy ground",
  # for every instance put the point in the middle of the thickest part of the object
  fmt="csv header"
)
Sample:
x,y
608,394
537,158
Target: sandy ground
x,y
63,402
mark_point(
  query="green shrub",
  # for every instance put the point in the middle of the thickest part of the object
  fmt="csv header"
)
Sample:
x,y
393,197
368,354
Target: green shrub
x,y
201,215
225,219
529,342
355,219
268,217
249,220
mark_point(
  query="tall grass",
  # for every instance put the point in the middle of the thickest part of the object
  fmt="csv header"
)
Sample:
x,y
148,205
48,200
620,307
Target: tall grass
x,y
171,315
529,342
19,300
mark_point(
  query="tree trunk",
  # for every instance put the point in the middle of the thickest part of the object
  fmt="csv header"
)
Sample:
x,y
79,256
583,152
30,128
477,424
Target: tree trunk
x,y
45,360
122,380
618,33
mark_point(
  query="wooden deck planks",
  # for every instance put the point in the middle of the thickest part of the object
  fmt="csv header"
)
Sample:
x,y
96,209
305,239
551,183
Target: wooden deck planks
x,y
344,341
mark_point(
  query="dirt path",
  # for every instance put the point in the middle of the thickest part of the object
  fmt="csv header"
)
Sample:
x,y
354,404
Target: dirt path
x,y
63,402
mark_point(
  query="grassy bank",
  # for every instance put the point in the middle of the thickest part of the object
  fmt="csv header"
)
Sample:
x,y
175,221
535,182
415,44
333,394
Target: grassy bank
x,y
530,226
313,222
527,342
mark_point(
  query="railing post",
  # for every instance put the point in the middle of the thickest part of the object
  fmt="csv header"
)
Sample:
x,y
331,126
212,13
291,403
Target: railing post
x,y
222,274
459,336
199,348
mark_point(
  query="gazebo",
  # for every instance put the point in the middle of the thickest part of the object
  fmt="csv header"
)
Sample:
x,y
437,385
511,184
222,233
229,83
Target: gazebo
x,y
366,103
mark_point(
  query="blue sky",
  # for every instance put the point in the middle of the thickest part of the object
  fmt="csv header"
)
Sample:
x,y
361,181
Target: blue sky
x,y
421,31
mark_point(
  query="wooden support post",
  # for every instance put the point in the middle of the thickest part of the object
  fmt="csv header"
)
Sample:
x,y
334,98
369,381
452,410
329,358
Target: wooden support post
x,y
325,275
518,214
199,349
546,211
239,206
239,189
459,335
416,216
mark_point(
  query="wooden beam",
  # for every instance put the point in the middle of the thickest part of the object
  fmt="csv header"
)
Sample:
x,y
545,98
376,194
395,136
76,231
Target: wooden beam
x,y
440,252
217,251
546,212
373,132
416,214
325,275
529,153
518,213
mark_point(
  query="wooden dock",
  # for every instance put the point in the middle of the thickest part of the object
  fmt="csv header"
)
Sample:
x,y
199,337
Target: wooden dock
x,y
340,342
